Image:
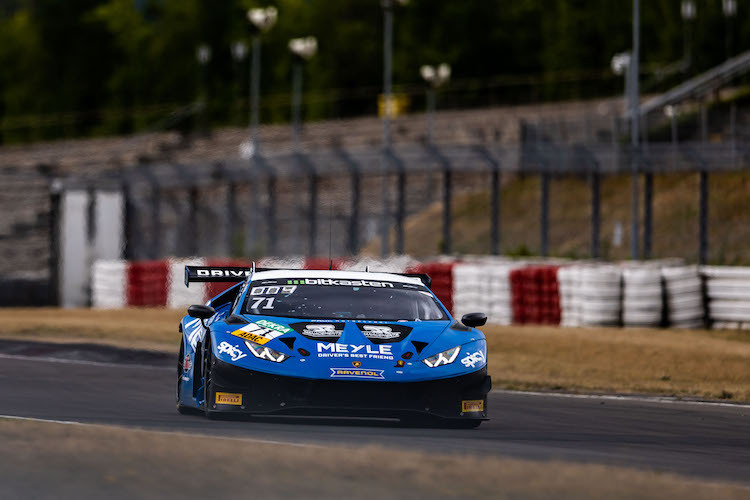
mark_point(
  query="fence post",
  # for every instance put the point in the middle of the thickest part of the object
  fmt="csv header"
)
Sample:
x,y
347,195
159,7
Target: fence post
x,y
231,215
494,199
193,221
703,216
595,217
312,220
54,242
648,194
262,164
544,214
354,170
447,181
129,220
401,200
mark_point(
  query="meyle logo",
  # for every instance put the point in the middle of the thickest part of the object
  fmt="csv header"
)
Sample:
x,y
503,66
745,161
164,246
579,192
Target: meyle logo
x,y
223,273
357,373
332,282
355,351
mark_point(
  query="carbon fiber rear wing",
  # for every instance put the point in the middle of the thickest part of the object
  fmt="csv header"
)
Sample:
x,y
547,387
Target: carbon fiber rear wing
x,y
219,274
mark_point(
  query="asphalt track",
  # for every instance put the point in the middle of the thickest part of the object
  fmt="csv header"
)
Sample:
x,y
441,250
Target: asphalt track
x,y
109,386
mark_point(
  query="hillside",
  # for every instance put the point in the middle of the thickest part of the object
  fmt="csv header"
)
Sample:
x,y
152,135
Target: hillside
x,y
675,219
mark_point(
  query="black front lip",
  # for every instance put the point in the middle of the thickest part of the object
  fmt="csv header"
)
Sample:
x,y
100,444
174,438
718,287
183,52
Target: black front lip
x,y
264,393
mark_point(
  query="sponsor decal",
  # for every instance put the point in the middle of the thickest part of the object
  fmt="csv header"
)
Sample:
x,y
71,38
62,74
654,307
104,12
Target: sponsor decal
x,y
186,363
272,290
357,373
356,364
384,334
232,351
321,330
379,332
471,360
223,273
228,398
472,405
332,282
194,330
261,331
330,350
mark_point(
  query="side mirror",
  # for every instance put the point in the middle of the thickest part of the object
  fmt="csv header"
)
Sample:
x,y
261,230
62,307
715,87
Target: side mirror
x,y
200,311
474,320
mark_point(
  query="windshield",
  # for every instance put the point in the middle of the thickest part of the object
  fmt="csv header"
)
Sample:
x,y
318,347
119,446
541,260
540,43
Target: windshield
x,y
324,298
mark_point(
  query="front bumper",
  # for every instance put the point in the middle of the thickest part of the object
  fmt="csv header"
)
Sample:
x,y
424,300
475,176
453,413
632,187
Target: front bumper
x,y
463,397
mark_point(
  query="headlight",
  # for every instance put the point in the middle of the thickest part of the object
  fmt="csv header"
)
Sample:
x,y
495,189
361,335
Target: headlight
x,y
443,358
263,352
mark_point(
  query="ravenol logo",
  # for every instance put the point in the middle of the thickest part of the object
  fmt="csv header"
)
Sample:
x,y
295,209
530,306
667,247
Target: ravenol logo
x,y
332,282
357,373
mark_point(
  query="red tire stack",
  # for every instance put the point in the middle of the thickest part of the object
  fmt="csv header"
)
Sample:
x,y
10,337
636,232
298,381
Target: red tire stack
x,y
441,274
215,288
147,283
535,295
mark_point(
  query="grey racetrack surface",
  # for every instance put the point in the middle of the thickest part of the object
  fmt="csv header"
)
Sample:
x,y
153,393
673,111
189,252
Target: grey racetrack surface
x,y
696,440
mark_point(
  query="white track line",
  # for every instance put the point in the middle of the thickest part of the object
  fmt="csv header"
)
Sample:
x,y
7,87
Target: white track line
x,y
168,433
614,397
80,362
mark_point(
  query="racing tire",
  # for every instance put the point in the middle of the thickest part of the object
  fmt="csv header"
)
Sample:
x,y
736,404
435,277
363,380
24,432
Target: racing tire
x,y
181,408
207,373
464,424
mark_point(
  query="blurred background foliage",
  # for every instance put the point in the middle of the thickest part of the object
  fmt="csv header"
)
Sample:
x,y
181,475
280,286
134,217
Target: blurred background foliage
x,y
97,67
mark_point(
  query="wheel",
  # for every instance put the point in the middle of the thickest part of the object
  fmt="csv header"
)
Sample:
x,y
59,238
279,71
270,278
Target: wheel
x,y
208,365
178,393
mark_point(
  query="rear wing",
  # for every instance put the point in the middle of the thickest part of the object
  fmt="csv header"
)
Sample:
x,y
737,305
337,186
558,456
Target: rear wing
x,y
220,274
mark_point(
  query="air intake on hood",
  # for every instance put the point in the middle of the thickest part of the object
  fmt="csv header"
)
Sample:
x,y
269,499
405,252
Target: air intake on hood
x,y
419,345
288,341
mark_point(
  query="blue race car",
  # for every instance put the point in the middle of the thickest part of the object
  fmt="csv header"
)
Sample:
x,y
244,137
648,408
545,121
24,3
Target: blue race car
x,y
330,343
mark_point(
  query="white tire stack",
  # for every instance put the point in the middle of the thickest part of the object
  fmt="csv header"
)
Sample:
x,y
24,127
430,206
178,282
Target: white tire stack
x,y
571,299
470,289
642,303
601,296
499,311
178,295
109,284
728,294
684,296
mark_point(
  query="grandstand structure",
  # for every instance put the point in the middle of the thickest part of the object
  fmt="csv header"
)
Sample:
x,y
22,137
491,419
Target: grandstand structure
x,y
163,194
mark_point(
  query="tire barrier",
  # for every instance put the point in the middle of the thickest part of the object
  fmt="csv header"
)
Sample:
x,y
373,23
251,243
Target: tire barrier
x,y
109,286
535,295
575,294
441,274
600,295
571,301
728,296
642,300
684,303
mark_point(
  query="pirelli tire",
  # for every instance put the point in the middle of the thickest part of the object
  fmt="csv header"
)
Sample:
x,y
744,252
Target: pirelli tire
x,y
207,370
181,408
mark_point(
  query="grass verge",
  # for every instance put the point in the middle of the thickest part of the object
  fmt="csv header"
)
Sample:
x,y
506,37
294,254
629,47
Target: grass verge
x,y
49,460
706,364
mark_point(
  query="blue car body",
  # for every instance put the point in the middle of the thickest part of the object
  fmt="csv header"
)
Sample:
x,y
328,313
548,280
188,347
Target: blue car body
x,y
364,368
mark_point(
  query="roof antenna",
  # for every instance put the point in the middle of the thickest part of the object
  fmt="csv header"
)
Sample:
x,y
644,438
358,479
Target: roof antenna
x,y
330,235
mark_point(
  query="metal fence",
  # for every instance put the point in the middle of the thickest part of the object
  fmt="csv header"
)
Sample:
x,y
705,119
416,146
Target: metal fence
x,y
330,201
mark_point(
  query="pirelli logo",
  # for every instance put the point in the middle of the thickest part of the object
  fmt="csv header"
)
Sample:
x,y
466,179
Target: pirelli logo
x,y
472,405
228,398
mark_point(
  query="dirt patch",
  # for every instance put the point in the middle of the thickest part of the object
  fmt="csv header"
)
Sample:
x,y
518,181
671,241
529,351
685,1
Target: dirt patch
x,y
706,364
47,460
682,363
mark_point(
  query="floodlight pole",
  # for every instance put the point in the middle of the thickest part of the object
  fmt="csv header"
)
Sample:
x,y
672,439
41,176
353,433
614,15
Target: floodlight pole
x,y
634,122
255,92
387,62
